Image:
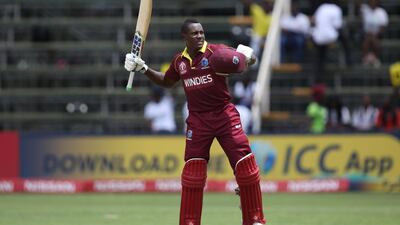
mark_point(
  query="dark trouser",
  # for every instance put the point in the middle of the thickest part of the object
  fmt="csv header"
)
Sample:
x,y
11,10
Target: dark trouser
x,y
292,43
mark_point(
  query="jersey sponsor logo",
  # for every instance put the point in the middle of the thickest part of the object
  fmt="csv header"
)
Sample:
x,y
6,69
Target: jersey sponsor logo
x,y
182,68
198,81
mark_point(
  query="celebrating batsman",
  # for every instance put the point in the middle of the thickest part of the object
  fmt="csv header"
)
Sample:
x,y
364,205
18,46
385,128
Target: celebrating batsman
x,y
202,68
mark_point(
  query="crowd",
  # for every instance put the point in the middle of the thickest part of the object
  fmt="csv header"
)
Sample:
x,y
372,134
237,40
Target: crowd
x,y
322,29
330,114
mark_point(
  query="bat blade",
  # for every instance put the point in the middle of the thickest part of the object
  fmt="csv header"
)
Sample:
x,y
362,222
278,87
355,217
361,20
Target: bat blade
x,y
142,27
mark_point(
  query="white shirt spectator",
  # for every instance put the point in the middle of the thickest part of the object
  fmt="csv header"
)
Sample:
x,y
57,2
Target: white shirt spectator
x,y
298,24
364,118
333,117
185,115
244,93
373,19
245,117
328,20
161,114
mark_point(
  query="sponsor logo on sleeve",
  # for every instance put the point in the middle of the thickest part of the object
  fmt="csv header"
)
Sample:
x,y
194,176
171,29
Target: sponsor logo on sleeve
x,y
235,60
182,68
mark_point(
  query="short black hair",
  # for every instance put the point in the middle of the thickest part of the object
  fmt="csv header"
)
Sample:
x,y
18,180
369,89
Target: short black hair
x,y
186,23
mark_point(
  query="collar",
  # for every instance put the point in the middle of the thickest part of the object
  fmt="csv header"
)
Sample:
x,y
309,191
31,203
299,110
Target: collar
x,y
186,55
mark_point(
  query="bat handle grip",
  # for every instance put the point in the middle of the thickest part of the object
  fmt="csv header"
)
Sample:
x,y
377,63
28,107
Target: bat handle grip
x,y
130,81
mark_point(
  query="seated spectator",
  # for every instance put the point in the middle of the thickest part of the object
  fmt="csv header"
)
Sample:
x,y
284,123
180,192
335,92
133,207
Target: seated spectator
x,y
295,27
339,117
364,116
160,112
244,91
375,19
316,111
388,118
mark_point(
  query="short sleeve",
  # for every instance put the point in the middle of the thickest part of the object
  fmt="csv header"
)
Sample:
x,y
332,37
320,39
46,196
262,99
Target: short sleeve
x,y
383,17
172,72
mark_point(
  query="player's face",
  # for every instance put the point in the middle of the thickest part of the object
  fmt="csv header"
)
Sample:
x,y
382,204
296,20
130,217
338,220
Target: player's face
x,y
194,37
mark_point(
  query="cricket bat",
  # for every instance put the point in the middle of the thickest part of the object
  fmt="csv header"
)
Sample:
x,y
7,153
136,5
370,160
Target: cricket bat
x,y
142,26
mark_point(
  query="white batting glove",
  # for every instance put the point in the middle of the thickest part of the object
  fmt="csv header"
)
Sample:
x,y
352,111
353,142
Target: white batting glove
x,y
246,51
135,64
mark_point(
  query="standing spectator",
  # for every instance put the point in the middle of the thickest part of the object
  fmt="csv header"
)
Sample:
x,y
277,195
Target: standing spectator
x,y
339,117
244,91
185,115
375,19
394,71
160,112
316,111
295,27
245,115
364,116
327,22
261,17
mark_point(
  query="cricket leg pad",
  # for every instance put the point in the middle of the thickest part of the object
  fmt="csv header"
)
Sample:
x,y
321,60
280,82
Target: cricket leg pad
x,y
194,176
248,178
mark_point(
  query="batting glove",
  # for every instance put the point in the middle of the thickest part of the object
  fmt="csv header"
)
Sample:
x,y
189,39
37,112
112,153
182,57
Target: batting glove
x,y
246,51
135,64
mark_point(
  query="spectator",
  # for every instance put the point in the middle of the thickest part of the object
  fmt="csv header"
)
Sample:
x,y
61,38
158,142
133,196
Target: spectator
x,y
245,115
316,111
364,116
185,115
295,27
375,19
388,118
394,71
327,29
261,17
339,117
244,91
160,112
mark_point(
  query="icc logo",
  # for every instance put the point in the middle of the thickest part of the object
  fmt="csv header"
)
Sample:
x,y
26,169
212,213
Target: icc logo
x,y
182,68
265,155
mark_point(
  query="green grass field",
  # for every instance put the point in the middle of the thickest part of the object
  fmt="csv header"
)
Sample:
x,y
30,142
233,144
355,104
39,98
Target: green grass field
x,y
218,209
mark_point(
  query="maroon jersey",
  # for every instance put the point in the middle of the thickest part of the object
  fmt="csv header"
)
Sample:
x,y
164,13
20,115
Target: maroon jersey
x,y
205,90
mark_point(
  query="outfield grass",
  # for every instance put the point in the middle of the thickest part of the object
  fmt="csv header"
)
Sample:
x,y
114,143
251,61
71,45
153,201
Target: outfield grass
x,y
219,209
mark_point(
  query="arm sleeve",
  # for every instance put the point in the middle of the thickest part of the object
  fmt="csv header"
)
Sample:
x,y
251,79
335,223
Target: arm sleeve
x,y
148,112
384,18
346,117
172,72
338,19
